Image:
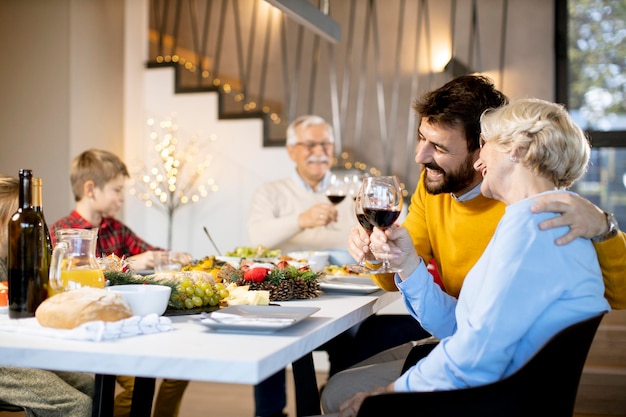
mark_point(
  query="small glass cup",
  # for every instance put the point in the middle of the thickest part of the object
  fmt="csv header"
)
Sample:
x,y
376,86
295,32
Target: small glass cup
x,y
163,261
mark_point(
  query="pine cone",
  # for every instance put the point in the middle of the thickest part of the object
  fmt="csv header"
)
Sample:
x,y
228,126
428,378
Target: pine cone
x,y
283,291
304,289
280,286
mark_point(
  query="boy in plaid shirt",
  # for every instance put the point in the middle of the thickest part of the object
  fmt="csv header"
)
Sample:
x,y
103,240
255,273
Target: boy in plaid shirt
x,y
97,178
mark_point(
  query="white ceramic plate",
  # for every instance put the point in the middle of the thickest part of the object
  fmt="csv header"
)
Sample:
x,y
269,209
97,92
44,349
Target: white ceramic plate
x,y
236,262
144,272
246,318
351,284
4,309
232,260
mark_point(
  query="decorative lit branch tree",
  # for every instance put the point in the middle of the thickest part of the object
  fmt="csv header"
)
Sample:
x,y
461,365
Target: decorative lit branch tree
x,y
176,173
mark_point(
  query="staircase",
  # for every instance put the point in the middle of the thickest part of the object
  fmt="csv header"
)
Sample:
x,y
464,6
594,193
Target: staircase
x,y
602,387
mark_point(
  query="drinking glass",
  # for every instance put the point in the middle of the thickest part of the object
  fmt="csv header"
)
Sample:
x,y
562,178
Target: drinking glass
x,y
336,192
164,261
354,185
361,267
382,203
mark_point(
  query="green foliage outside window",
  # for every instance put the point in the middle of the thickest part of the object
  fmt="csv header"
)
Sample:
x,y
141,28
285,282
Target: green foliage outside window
x,y
597,63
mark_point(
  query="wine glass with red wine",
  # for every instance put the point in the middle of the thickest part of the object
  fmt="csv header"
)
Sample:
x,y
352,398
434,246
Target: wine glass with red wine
x,y
361,267
382,203
336,191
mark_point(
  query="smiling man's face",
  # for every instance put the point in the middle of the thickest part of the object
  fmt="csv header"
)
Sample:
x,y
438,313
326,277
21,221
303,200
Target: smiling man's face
x,y
442,151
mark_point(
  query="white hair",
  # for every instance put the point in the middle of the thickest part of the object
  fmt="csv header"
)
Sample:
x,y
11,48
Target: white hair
x,y
553,146
306,121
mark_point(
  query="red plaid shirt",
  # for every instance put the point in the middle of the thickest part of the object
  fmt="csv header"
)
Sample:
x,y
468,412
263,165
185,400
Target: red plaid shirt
x,y
113,236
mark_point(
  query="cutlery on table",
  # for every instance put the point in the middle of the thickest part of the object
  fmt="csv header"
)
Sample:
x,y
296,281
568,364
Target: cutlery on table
x,y
212,242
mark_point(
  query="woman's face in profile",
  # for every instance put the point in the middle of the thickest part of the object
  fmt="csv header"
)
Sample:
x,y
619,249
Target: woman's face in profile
x,y
495,167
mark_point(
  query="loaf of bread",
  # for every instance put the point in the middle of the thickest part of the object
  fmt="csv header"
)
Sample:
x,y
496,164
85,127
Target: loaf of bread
x,y
73,308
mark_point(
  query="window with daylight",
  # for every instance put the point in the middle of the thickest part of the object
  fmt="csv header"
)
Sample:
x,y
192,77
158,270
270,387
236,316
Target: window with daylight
x,y
591,81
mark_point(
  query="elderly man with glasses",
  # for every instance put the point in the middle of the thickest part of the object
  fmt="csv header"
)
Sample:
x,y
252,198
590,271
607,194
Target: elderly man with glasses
x,y
293,213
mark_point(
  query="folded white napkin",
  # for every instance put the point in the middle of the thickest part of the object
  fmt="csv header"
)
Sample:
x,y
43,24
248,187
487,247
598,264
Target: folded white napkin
x,y
95,331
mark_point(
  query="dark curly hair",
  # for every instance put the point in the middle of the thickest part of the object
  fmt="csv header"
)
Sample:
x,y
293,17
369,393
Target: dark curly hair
x,y
461,102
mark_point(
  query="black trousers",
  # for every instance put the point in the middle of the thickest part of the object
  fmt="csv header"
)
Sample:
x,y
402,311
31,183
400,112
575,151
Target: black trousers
x,y
373,335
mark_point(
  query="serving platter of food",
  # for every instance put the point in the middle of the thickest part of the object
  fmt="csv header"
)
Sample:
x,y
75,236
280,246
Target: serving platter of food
x,y
209,284
341,279
341,271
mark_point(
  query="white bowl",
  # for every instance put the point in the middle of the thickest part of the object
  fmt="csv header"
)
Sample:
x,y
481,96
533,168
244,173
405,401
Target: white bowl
x,y
234,261
144,299
340,257
317,259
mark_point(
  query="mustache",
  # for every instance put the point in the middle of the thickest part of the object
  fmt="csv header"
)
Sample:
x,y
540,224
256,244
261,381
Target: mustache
x,y
433,166
317,159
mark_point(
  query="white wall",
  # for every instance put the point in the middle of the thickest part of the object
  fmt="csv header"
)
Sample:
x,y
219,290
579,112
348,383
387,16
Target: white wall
x,y
61,82
240,164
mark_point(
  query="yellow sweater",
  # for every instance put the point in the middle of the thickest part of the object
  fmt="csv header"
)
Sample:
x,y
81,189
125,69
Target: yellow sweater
x,y
456,234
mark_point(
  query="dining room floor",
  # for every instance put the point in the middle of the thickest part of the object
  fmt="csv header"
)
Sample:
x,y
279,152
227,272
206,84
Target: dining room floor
x,y
231,400
226,400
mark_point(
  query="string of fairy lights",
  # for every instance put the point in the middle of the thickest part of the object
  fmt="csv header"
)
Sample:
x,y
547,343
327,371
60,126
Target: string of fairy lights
x,y
344,160
176,172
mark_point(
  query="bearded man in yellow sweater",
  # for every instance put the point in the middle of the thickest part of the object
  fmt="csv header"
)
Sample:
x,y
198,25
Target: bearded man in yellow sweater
x,y
451,222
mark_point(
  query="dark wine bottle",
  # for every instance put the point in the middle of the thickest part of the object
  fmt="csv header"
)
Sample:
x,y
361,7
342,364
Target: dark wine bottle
x,y
38,207
28,254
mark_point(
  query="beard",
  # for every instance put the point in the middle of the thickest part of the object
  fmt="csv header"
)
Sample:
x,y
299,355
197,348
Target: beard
x,y
451,182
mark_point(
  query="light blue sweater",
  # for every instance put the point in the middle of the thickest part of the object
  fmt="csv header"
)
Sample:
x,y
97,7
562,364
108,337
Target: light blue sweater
x,y
521,292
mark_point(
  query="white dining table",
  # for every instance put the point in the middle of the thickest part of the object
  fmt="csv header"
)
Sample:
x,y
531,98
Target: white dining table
x,y
192,351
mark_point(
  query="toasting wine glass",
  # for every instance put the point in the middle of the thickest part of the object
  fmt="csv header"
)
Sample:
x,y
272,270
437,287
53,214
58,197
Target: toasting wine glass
x,y
361,267
354,185
336,191
382,204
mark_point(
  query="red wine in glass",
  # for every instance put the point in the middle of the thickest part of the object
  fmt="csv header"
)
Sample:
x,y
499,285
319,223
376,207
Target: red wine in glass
x,y
381,217
361,267
365,222
336,189
335,192
381,199
335,198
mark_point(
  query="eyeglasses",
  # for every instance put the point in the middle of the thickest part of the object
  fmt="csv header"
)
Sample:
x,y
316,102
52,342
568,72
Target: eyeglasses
x,y
310,146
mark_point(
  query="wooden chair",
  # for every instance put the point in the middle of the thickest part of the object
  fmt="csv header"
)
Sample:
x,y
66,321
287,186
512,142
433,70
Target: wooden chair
x,y
546,385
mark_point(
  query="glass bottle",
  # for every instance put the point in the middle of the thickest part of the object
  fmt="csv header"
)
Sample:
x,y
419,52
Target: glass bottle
x,y
27,255
38,207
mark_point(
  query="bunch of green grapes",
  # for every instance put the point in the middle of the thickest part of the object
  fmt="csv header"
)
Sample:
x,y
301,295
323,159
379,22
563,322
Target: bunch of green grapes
x,y
194,294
